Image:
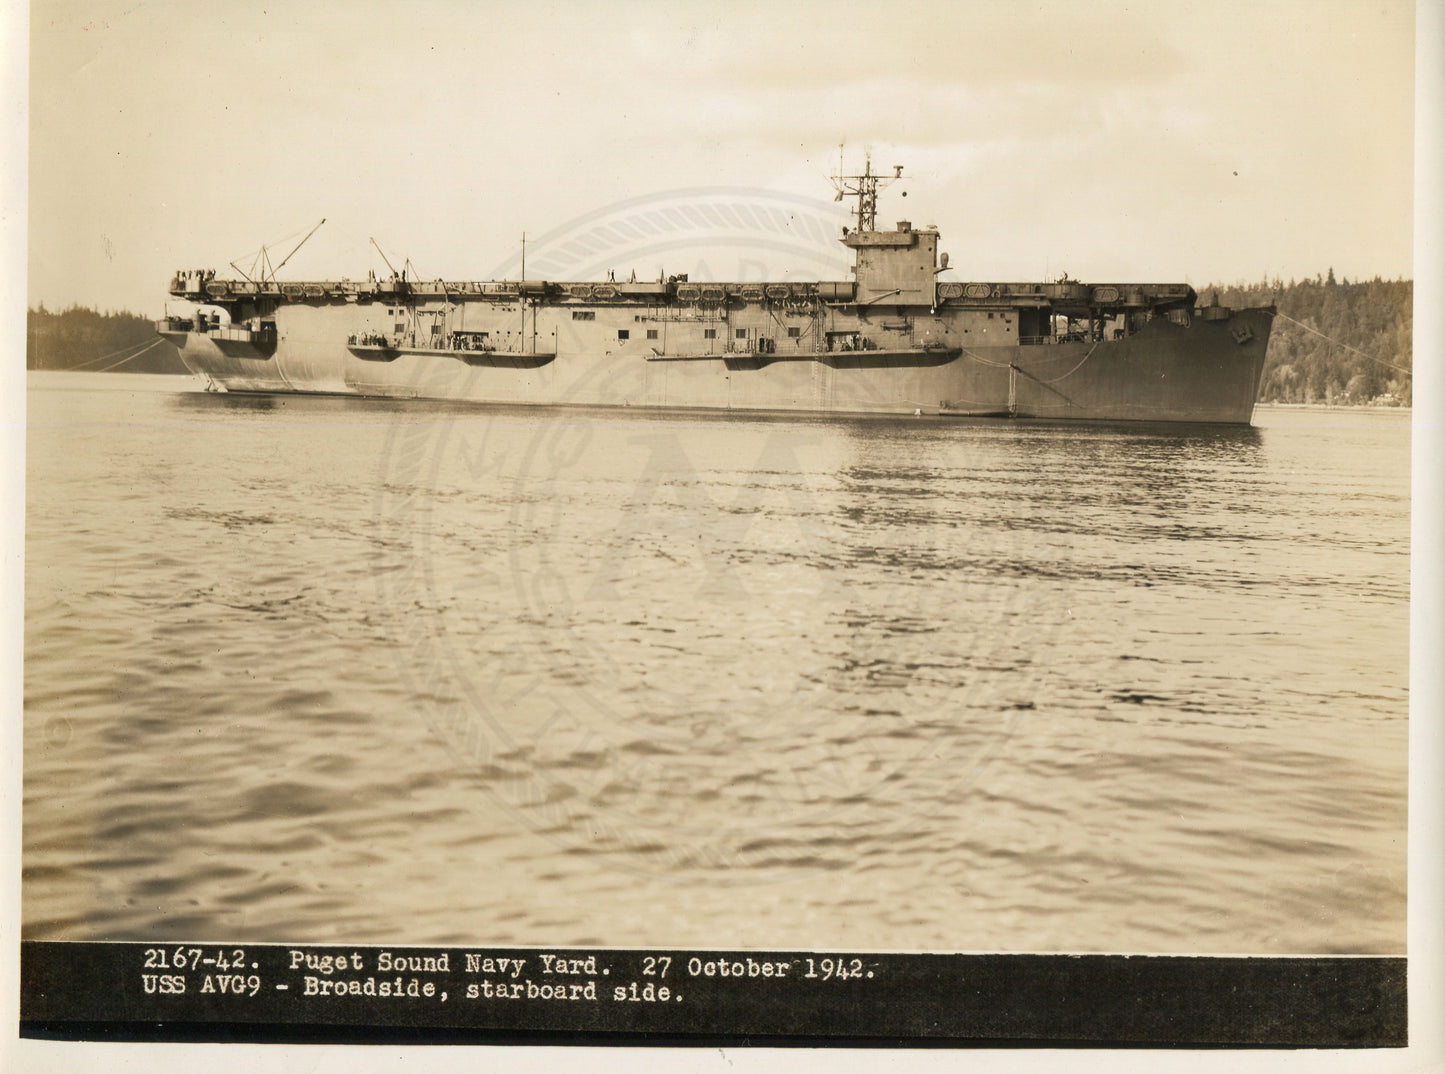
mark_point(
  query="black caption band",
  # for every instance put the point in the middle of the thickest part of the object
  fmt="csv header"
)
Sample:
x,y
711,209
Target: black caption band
x,y
188,991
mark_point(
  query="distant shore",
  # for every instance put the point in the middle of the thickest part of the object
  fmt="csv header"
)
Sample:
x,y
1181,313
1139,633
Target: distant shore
x,y
1333,406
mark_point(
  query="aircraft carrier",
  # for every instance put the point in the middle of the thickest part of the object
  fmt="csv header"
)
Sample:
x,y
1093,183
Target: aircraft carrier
x,y
893,339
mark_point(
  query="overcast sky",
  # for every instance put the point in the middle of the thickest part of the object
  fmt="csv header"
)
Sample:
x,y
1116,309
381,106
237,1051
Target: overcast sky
x,y
1153,141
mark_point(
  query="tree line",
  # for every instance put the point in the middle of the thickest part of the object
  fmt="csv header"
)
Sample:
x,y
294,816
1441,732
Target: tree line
x,y
1335,341
85,339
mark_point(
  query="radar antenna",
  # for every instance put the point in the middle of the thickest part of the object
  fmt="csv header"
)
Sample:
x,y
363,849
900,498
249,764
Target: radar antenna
x,y
865,188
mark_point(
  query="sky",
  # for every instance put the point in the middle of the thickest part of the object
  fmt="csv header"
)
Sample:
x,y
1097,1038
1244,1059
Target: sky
x,y
1166,141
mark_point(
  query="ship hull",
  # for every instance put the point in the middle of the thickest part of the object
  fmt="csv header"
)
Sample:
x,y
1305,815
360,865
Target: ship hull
x,y
1204,371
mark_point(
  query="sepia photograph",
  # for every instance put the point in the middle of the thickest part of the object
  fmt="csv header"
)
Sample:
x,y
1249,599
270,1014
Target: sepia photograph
x,y
583,517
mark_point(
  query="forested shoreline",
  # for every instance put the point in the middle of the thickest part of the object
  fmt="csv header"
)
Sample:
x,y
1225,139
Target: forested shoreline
x,y
89,341
1335,341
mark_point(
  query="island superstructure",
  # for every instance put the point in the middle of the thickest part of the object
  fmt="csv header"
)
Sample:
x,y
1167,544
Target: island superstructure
x,y
894,339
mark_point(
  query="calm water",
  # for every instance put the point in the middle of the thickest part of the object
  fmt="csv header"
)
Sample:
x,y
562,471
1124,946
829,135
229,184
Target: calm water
x,y
327,669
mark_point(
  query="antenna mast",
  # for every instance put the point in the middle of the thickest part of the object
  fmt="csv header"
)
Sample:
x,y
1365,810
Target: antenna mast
x,y
865,188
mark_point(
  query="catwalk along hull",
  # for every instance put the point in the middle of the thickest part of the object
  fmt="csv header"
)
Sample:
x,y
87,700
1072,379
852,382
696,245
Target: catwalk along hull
x,y
895,339
1199,371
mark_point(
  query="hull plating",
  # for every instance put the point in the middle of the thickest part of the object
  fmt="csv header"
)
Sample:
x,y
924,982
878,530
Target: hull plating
x,y
1207,371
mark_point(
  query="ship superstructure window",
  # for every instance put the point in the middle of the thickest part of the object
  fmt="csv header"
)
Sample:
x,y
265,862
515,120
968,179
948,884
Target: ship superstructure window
x,y
584,315
794,332
652,333
623,333
709,333
742,333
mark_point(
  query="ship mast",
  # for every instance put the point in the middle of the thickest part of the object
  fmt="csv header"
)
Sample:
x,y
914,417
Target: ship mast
x,y
865,188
